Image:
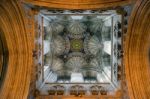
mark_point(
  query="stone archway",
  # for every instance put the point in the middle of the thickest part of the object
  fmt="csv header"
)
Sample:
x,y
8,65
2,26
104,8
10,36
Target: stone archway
x,y
13,27
136,51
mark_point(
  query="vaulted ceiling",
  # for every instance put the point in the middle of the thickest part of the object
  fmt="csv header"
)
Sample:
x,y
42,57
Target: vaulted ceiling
x,y
19,38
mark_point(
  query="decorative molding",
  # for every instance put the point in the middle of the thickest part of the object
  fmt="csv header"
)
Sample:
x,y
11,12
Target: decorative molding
x,y
78,4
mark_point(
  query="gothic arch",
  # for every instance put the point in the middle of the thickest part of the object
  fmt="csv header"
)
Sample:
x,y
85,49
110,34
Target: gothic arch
x,y
136,51
79,4
13,27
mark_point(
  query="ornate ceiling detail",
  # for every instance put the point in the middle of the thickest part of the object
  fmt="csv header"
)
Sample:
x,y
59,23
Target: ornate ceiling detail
x,y
75,63
88,44
94,63
96,25
55,28
57,64
76,29
94,45
76,46
58,45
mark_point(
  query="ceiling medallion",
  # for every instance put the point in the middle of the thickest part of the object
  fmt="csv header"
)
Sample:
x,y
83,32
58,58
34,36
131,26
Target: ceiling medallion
x,y
76,45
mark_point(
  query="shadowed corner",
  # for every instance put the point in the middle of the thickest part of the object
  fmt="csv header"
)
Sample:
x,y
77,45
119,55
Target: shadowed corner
x,y
3,58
